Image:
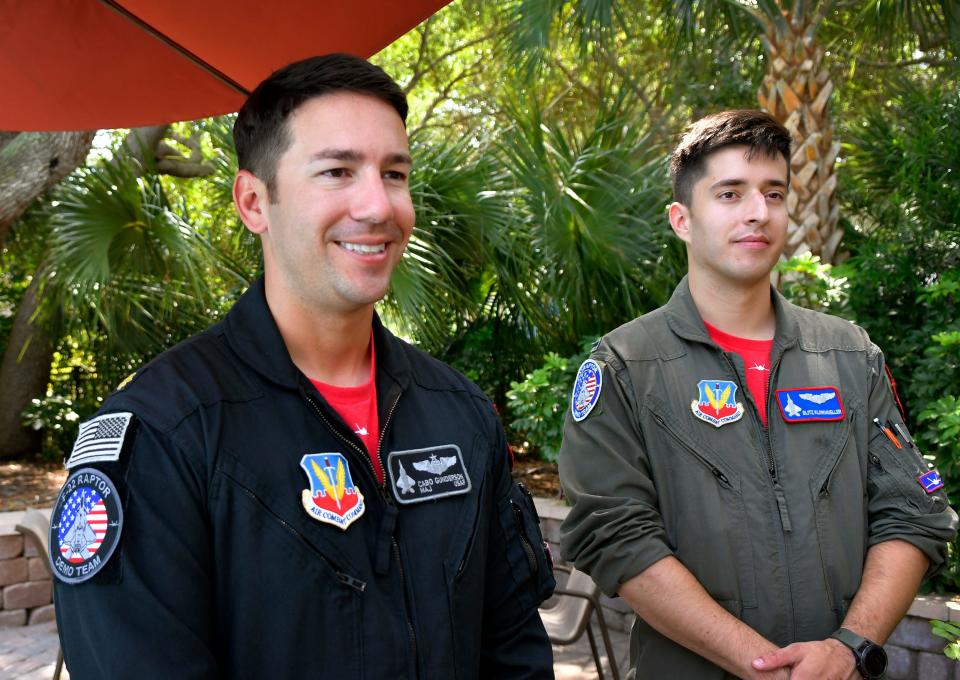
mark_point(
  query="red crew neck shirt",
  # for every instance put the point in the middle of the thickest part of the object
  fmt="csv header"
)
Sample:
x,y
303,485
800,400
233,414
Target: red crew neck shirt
x,y
756,360
358,408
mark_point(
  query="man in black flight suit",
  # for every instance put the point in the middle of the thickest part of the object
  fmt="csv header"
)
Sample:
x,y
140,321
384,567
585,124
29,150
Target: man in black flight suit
x,y
295,492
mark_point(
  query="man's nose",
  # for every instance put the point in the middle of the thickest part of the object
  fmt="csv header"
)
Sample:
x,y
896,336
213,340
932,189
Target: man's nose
x,y
756,208
371,202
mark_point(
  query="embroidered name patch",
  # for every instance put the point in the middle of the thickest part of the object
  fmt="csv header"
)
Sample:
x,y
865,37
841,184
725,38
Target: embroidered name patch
x,y
931,481
586,389
717,402
810,404
100,439
85,526
332,498
426,474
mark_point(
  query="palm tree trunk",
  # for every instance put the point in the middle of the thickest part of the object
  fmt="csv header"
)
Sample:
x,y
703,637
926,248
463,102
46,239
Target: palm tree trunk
x,y
31,163
24,374
796,91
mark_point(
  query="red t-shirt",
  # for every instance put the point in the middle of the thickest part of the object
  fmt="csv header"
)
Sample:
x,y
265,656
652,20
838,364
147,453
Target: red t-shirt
x,y
756,359
358,408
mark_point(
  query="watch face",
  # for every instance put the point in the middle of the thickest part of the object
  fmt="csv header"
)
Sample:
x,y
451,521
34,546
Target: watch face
x,y
874,661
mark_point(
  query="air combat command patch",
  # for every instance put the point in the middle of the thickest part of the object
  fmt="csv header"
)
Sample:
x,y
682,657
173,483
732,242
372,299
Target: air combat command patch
x,y
85,526
716,402
332,498
586,389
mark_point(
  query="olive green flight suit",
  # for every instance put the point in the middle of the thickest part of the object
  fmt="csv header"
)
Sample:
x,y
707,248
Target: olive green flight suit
x,y
774,522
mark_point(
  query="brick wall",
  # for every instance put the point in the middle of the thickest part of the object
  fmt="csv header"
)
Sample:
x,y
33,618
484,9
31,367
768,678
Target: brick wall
x,y
914,653
26,591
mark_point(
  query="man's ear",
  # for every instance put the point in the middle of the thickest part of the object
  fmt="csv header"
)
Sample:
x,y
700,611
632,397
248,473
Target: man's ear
x,y
679,215
251,198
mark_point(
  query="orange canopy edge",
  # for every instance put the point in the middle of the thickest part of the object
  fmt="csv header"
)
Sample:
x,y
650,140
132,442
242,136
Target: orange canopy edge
x,y
91,64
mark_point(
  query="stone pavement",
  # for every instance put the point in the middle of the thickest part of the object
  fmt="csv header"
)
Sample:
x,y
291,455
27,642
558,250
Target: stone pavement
x,y
30,653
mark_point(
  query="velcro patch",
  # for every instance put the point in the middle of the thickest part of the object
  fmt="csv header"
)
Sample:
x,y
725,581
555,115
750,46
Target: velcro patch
x,y
931,481
85,526
421,475
100,439
810,404
586,389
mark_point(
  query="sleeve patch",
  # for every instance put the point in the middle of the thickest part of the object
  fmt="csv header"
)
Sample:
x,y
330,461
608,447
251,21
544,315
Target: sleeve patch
x,y
586,389
100,440
85,526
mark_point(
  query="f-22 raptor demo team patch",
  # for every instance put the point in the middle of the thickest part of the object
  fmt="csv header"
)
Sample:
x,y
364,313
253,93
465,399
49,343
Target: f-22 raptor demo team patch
x,y
85,526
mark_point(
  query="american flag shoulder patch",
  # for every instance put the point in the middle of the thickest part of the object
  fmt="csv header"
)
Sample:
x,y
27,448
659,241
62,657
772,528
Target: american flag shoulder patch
x,y
100,439
586,389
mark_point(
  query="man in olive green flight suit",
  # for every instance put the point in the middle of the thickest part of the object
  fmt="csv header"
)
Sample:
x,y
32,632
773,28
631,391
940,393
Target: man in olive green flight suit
x,y
738,468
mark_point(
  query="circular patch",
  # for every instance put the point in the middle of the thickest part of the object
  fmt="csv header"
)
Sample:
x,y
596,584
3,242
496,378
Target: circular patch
x,y
85,526
586,389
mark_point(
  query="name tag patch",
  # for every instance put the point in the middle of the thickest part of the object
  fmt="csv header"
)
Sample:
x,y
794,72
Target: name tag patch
x,y
100,440
810,404
85,526
419,475
931,481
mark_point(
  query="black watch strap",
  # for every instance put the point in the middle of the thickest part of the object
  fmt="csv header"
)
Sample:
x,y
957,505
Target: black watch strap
x,y
861,647
849,638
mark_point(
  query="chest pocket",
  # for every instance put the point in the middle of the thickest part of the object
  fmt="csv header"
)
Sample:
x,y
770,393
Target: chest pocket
x,y
267,564
703,511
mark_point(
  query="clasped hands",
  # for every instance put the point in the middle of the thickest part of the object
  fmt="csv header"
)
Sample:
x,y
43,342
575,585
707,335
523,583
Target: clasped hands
x,y
818,660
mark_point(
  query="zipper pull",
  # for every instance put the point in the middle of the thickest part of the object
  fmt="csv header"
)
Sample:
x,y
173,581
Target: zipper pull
x,y
782,507
385,540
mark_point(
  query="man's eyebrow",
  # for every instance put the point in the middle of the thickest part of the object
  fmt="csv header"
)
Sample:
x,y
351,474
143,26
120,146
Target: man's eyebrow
x,y
735,182
355,156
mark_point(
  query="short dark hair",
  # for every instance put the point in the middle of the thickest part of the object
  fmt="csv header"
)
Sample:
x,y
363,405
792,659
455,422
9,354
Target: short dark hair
x,y
260,132
757,130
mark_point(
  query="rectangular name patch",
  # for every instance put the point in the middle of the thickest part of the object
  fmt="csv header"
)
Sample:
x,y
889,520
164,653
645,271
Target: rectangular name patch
x,y
810,404
421,475
100,439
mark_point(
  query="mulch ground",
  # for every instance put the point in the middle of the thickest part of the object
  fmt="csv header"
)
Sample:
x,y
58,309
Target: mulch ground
x,y
25,484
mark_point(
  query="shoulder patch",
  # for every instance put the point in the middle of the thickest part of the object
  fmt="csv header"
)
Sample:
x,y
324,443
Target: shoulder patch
x,y
85,526
100,439
586,389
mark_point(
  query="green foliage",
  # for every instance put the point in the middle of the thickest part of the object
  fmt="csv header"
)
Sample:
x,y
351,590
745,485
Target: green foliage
x,y
808,282
539,402
951,633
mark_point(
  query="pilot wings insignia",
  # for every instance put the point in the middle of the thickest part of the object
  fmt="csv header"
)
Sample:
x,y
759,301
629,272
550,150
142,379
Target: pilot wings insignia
x,y
435,465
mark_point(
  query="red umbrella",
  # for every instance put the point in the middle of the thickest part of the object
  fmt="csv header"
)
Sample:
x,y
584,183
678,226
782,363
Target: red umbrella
x,y
87,64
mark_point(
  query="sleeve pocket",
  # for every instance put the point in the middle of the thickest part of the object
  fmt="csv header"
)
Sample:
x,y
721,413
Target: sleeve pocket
x,y
526,551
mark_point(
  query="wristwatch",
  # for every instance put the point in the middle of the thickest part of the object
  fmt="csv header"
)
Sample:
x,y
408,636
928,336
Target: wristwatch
x,y
870,657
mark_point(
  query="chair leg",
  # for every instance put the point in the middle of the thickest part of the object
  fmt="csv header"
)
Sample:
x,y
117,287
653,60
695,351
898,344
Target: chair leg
x,y
59,668
596,652
614,670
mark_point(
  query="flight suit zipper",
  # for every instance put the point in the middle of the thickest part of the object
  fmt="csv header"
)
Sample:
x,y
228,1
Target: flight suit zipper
x,y
388,501
779,496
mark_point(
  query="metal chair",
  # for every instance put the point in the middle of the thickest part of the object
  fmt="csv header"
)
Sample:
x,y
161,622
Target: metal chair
x,y
35,526
568,619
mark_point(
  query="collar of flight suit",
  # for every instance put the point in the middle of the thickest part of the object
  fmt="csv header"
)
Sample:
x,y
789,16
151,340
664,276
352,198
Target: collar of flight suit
x,y
685,321
252,333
